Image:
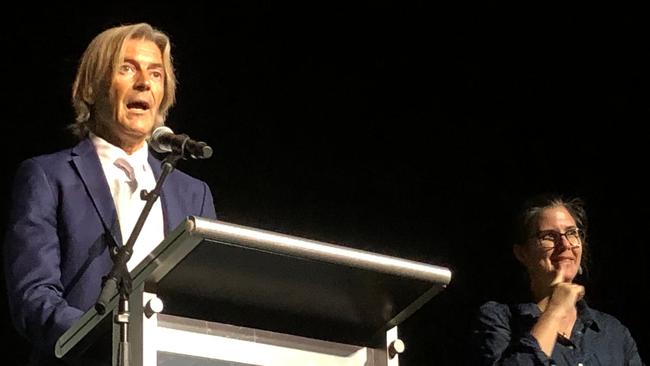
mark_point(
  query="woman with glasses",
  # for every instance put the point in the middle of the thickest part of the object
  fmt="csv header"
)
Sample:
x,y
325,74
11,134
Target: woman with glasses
x,y
556,327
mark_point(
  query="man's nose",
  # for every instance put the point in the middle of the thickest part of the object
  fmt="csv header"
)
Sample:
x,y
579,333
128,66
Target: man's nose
x,y
143,82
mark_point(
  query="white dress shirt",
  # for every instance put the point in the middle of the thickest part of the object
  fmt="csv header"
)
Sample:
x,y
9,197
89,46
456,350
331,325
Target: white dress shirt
x,y
127,175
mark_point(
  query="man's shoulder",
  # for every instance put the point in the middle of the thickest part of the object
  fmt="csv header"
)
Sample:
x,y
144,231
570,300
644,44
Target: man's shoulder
x,y
176,174
185,178
60,155
50,161
179,178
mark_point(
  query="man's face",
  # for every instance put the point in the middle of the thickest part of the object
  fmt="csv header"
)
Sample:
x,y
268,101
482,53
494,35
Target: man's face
x,y
135,94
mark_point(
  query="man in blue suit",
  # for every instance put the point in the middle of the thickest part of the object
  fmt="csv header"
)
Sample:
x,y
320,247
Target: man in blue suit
x,y
69,208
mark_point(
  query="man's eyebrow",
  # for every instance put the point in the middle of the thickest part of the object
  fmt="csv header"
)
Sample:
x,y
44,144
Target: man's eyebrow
x,y
155,65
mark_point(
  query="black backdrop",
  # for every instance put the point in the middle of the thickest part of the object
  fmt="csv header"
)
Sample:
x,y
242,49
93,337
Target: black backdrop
x,y
409,130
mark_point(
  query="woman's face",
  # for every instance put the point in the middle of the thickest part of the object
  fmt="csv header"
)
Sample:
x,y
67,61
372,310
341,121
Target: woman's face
x,y
553,247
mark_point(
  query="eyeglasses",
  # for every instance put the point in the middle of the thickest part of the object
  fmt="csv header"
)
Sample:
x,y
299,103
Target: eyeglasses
x,y
550,239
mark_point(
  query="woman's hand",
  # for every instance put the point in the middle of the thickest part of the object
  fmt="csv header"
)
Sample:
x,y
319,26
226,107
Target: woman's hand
x,y
557,311
564,295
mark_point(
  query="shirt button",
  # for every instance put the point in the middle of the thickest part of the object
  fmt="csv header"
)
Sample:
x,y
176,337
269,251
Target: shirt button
x,y
570,347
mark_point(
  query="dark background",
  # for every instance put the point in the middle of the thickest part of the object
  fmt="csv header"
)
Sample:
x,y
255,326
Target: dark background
x,y
404,128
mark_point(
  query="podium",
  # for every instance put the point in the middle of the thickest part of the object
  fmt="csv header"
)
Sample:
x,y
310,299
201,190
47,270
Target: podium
x,y
215,293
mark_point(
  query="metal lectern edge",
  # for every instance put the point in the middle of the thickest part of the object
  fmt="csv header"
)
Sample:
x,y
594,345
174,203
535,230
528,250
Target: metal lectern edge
x,y
311,249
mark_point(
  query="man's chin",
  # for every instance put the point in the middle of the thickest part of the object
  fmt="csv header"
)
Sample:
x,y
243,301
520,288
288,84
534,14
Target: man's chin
x,y
138,126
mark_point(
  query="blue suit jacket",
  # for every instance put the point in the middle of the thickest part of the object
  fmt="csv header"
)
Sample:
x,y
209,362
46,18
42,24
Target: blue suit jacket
x,y
57,240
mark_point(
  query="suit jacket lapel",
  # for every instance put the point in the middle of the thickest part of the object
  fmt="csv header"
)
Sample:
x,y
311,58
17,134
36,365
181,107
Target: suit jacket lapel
x,y
85,160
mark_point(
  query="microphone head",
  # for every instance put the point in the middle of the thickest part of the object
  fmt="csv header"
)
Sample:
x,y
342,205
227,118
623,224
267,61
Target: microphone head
x,y
207,152
155,140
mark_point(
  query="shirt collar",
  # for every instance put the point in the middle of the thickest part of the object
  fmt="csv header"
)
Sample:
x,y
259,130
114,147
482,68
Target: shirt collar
x,y
586,315
109,153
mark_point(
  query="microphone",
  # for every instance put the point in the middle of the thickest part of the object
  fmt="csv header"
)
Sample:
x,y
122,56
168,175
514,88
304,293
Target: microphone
x,y
164,140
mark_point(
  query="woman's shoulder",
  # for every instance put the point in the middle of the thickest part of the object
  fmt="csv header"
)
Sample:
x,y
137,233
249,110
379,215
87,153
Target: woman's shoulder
x,y
494,310
605,320
506,311
494,306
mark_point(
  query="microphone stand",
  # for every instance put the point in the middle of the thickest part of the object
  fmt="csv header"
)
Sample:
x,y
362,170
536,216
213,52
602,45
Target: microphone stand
x,y
119,279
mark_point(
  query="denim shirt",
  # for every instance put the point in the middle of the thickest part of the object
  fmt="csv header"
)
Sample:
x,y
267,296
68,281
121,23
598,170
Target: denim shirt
x,y
502,337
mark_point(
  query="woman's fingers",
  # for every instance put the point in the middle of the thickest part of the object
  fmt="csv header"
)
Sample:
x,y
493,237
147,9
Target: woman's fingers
x,y
559,277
